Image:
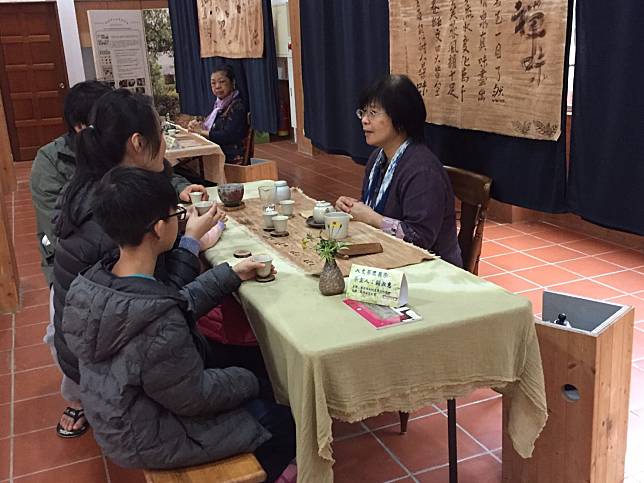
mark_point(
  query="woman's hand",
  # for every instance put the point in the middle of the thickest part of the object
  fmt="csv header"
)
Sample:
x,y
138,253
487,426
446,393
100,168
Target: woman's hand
x,y
193,188
247,270
197,226
195,126
345,203
363,213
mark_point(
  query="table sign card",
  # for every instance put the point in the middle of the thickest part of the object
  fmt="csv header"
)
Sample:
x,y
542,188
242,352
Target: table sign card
x,y
377,286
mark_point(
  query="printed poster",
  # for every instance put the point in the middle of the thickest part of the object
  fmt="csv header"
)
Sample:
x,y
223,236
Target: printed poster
x,y
120,51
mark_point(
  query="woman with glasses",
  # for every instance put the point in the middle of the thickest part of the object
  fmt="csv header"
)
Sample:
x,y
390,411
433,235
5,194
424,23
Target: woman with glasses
x,y
405,191
124,130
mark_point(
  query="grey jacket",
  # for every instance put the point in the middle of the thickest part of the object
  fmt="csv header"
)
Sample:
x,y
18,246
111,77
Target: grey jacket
x,y
144,388
51,170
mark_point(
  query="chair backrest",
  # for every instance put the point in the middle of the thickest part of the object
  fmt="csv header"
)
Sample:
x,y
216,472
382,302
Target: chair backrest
x,y
473,190
249,143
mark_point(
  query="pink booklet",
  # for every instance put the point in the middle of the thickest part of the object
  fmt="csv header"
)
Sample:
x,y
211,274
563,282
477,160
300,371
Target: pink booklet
x,y
381,316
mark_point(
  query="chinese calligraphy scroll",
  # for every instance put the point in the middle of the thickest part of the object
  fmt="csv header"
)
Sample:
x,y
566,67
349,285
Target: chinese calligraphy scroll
x,y
489,65
231,28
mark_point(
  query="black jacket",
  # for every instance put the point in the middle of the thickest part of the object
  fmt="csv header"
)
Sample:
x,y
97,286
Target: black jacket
x,y
229,131
82,243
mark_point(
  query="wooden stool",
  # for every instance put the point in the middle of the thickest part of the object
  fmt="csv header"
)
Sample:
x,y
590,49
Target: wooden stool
x,y
243,468
259,169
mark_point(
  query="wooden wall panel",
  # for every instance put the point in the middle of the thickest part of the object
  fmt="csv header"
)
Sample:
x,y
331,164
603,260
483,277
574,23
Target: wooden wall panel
x,y
7,175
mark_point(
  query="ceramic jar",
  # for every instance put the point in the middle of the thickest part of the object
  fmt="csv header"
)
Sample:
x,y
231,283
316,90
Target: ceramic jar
x,y
320,209
331,279
282,191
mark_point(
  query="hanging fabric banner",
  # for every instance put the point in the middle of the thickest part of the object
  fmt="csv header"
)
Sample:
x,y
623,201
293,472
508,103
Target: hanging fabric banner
x,y
489,65
231,28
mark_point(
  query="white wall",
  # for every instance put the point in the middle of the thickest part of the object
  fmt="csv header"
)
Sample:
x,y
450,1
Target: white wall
x,y
70,38
71,41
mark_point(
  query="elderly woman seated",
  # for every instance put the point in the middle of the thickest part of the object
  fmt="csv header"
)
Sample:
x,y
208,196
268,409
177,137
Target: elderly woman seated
x,y
406,191
227,124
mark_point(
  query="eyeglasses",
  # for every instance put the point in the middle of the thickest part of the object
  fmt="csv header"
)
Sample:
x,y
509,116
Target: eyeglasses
x,y
181,215
370,113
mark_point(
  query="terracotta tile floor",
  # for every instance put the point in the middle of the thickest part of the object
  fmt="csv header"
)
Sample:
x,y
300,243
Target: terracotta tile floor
x,y
523,257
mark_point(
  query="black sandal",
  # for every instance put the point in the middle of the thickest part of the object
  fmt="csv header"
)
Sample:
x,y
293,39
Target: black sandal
x,y
75,414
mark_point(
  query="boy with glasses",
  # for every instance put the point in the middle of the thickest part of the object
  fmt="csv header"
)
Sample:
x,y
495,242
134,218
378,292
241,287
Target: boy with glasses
x,y
147,394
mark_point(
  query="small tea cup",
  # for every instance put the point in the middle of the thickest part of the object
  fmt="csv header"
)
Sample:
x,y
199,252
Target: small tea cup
x,y
203,206
336,225
195,197
267,260
286,207
280,222
268,219
172,132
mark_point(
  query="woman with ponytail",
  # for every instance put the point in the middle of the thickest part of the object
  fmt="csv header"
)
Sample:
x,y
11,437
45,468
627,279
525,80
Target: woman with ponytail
x,y
125,130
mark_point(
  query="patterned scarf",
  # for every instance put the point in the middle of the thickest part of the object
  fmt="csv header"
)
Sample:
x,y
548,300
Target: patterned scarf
x,y
220,106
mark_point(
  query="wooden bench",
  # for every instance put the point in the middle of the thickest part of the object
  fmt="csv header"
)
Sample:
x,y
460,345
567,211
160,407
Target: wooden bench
x,y
243,468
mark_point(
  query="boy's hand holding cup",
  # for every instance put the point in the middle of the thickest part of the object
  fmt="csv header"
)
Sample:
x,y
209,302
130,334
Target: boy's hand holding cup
x,y
258,266
198,225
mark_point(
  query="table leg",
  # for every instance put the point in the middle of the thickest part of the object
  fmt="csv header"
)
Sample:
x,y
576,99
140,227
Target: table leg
x,y
214,167
451,440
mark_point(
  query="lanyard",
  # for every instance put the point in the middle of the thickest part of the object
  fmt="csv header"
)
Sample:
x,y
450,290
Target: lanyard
x,y
378,202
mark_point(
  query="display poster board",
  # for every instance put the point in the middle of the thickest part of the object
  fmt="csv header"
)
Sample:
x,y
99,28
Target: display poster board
x,y
120,52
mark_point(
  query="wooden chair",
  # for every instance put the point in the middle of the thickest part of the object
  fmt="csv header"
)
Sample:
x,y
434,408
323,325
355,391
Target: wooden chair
x,y
473,191
249,143
243,468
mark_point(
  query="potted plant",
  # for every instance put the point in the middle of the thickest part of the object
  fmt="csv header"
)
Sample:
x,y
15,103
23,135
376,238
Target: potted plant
x,y
331,279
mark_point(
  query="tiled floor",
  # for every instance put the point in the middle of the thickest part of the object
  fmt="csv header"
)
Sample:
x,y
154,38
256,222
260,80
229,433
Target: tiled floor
x,y
524,258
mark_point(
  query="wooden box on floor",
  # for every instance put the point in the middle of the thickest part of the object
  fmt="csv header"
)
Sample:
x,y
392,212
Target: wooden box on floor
x,y
587,370
258,169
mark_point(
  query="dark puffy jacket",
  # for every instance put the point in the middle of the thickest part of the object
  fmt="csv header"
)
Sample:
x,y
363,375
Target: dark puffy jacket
x,y
81,243
144,388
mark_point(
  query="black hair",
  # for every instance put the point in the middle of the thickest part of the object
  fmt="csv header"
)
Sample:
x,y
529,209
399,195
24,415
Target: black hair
x,y
402,102
79,102
228,72
102,144
129,201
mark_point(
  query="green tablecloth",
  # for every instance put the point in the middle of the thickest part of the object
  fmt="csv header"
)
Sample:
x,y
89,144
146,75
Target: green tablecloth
x,y
325,361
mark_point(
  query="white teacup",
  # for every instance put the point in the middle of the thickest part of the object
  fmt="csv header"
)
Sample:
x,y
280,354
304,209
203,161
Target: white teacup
x,y
195,197
203,206
336,225
268,218
280,223
286,207
267,260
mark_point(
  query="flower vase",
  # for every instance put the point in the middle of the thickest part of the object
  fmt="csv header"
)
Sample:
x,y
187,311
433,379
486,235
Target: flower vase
x,y
331,279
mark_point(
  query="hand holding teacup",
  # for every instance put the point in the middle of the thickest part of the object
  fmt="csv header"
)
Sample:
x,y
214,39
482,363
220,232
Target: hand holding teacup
x,y
194,193
201,219
259,266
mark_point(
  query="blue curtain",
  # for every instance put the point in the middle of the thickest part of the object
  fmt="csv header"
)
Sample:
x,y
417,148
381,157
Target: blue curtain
x,y
345,46
256,78
607,161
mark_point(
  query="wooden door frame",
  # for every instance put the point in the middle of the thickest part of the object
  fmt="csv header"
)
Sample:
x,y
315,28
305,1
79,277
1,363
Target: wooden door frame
x,y
4,83
9,278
